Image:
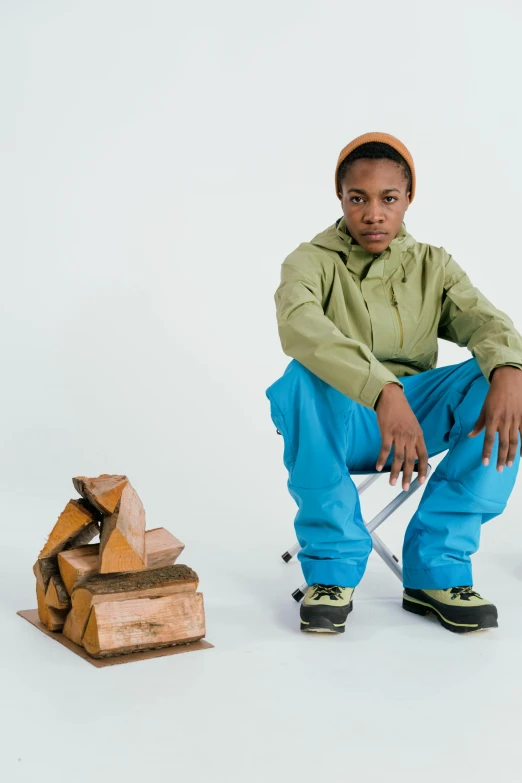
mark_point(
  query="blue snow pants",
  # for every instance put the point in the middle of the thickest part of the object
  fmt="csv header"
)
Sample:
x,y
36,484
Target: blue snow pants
x,y
326,435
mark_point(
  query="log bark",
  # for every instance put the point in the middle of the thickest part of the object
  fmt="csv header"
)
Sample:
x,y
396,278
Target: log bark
x,y
76,518
103,492
126,587
162,549
84,536
44,569
122,537
57,596
120,627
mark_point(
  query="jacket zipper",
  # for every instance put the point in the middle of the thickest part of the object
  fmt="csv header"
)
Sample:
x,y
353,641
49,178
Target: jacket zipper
x,y
396,305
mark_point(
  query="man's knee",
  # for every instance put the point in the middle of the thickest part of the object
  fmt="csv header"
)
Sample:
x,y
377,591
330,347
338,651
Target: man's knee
x,y
298,386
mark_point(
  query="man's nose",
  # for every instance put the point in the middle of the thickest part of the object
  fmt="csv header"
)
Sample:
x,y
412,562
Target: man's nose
x,y
374,211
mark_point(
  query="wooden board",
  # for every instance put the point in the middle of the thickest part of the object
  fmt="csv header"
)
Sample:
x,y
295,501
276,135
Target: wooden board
x,y
145,623
31,615
122,537
103,492
74,519
162,549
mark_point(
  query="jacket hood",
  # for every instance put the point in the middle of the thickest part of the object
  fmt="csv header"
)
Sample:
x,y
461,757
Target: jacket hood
x,y
337,238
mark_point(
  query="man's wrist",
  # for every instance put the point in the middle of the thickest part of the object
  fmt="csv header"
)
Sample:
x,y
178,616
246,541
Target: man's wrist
x,y
502,368
388,389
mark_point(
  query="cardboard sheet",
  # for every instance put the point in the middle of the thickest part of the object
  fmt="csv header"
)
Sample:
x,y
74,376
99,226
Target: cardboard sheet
x,y
32,616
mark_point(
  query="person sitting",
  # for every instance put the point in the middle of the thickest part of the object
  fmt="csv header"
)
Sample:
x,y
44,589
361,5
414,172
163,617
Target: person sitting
x,y
359,310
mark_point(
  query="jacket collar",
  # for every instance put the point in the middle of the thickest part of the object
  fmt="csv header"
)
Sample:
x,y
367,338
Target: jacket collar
x,y
358,259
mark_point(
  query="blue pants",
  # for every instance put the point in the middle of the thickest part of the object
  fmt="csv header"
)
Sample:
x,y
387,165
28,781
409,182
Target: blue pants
x,y
326,435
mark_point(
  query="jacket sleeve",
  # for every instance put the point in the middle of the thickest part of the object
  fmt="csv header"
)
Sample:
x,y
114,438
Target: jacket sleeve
x,y
311,338
470,320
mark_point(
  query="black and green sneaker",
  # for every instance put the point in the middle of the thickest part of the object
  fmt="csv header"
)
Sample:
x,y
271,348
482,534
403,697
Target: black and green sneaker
x,y
458,609
324,608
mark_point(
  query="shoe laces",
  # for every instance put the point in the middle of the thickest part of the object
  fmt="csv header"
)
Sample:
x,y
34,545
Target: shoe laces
x,y
331,591
464,592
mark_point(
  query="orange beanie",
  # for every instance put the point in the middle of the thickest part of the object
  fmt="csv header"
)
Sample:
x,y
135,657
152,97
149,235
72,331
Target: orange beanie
x,y
387,139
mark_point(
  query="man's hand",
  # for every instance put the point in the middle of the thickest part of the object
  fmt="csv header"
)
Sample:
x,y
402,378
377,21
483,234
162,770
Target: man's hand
x,y
502,413
399,428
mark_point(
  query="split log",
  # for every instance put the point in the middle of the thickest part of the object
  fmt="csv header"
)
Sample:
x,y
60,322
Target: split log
x,y
44,569
102,492
162,549
86,535
125,587
122,537
57,596
72,629
54,619
57,619
76,518
120,627
43,609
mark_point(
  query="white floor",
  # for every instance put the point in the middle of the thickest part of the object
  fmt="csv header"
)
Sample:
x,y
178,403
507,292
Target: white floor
x,y
396,696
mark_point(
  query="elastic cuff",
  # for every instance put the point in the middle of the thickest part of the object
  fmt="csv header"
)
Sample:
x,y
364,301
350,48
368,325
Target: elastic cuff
x,y
438,578
331,572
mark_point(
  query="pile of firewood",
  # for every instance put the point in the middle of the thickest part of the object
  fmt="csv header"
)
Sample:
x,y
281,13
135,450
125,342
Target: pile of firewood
x,y
124,594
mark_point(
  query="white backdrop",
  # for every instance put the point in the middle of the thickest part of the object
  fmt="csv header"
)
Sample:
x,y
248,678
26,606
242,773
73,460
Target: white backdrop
x,y
159,160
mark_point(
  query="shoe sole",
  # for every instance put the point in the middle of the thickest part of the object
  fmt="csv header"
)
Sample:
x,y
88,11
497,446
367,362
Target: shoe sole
x,y
322,624
415,606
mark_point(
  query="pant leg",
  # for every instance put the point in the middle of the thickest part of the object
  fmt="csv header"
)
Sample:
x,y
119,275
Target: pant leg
x,y
462,493
313,417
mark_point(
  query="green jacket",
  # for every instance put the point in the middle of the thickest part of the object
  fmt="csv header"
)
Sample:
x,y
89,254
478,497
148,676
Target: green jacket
x,y
359,320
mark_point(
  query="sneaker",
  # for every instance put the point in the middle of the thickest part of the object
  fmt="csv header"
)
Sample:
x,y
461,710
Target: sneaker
x,y
458,609
324,608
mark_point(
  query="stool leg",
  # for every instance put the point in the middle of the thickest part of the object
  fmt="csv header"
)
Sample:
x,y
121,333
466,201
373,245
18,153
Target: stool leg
x,y
374,523
387,555
288,555
299,594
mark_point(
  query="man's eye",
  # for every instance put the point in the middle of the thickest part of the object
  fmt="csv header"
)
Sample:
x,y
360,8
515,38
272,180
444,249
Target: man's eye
x,y
392,197
354,197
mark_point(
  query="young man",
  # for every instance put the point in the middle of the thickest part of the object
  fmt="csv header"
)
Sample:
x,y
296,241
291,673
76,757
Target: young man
x,y
360,308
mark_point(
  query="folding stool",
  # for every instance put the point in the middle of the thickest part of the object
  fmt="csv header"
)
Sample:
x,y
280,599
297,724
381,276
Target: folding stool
x,y
378,545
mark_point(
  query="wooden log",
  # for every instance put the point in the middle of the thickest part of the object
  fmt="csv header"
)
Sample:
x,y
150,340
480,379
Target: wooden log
x,y
47,567
57,619
44,569
43,609
125,587
120,627
73,520
103,492
122,537
72,629
54,619
57,596
84,536
162,549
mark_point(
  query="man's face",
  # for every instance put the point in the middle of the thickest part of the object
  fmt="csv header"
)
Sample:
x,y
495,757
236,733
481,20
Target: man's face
x,y
374,200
